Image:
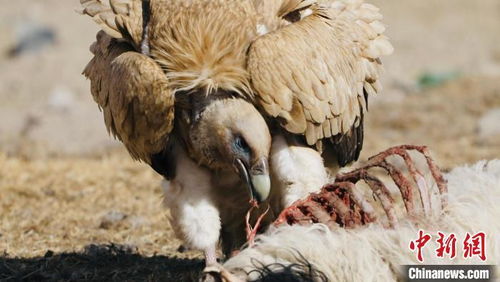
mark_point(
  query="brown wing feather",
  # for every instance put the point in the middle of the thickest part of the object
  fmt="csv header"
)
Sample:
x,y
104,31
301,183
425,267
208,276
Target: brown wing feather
x,y
313,74
118,18
132,91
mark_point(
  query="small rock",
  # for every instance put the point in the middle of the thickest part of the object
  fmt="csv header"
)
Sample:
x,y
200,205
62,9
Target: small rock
x,y
112,218
434,79
48,254
137,221
29,123
61,98
489,124
182,249
32,38
47,191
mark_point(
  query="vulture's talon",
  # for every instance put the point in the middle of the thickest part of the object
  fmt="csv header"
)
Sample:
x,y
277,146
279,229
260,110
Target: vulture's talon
x,y
342,203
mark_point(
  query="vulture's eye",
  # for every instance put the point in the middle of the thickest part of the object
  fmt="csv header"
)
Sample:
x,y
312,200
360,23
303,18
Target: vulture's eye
x,y
293,16
241,144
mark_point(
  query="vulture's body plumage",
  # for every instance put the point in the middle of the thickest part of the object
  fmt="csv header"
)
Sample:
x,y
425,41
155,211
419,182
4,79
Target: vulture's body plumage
x,y
225,96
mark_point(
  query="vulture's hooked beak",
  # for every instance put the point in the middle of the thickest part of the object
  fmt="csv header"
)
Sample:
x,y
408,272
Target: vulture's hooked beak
x,y
256,178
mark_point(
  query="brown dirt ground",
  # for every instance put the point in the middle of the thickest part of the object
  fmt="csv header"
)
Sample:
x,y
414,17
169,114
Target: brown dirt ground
x,y
444,118
62,180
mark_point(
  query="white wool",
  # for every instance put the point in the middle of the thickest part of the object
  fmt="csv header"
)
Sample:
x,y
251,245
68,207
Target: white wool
x,y
298,169
373,253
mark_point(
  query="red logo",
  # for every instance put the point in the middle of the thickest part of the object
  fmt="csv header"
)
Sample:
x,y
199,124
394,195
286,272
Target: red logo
x,y
473,245
419,244
447,245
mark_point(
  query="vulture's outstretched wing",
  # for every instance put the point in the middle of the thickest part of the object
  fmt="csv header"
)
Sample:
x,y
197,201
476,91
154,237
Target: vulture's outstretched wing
x,y
132,91
314,74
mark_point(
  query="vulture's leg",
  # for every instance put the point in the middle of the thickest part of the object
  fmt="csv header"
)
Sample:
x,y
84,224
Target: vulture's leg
x,y
298,170
210,256
194,216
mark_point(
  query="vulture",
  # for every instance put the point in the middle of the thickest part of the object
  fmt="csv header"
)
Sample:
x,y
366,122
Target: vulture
x,y
234,101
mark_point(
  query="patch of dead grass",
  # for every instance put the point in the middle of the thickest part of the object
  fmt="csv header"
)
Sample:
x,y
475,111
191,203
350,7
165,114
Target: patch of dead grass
x,y
60,205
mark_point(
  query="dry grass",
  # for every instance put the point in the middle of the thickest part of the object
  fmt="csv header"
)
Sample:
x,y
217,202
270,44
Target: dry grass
x,y
64,205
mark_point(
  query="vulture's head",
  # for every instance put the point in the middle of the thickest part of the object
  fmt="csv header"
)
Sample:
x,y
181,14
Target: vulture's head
x,y
232,136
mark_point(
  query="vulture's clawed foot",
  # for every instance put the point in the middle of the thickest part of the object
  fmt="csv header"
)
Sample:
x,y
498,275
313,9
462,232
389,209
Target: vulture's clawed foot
x,y
346,204
217,273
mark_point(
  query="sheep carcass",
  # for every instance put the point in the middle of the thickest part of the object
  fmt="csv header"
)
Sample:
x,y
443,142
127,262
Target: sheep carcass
x,y
339,251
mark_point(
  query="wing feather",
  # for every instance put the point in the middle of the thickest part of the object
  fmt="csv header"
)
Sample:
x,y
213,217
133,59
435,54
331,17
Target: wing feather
x,y
133,93
118,18
323,64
